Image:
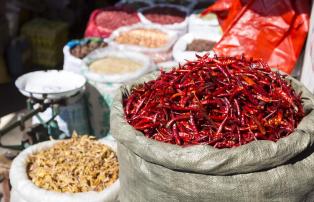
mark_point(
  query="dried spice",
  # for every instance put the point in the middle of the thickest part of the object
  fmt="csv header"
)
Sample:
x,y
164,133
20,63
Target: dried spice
x,y
81,50
150,38
112,18
114,65
223,101
164,15
200,45
80,164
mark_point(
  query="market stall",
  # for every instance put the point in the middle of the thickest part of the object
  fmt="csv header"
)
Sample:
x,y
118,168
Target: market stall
x,y
172,100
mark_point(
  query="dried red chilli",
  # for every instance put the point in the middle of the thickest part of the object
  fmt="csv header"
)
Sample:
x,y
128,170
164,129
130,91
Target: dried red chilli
x,y
223,101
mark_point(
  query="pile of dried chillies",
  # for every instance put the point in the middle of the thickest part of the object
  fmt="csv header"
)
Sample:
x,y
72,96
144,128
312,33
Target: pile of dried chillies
x,y
223,101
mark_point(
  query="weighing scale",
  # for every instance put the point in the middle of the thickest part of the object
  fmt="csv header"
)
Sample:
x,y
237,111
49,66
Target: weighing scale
x,y
44,89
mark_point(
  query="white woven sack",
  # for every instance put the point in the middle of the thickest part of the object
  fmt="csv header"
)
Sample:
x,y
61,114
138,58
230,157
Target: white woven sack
x,y
147,66
179,50
24,190
181,27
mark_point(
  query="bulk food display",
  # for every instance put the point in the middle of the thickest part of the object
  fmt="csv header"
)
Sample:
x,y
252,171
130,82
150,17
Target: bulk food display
x,y
151,40
82,49
200,45
80,164
106,70
107,65
79,169
103,22
75,50
164,15
172,17
192,44
223,102
181,108
113,65
262,126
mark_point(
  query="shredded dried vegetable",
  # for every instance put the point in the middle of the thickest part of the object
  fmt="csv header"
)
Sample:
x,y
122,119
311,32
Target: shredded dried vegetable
x,y
80,164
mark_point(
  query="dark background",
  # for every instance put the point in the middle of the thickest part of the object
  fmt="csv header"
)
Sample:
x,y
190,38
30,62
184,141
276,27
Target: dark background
x,y
76,12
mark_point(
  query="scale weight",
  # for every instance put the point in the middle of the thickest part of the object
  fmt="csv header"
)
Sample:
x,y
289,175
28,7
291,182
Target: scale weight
x,y
45,90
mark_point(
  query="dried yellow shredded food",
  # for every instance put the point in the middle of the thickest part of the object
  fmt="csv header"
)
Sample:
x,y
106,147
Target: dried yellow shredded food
x,y
80,164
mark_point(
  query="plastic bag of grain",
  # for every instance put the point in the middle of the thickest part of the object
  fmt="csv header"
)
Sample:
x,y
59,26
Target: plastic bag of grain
x,y
103,83
169,16
259,171
75,50
103,22
24,190
152,40
191,44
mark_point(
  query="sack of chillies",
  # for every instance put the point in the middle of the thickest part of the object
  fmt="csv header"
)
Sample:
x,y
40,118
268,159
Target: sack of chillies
x,y
215,129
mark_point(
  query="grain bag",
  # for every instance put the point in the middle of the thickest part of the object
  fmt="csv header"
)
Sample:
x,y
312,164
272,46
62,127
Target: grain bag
x,y
258,171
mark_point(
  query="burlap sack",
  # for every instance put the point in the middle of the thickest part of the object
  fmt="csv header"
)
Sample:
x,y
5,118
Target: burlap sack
x,y
258,171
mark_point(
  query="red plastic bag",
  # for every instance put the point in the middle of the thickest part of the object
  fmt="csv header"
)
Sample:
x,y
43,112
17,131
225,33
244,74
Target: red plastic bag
x,y
226,11
91,29
273,30
102,22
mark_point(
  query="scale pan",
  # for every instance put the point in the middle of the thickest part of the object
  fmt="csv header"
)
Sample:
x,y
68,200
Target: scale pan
x,y
52,84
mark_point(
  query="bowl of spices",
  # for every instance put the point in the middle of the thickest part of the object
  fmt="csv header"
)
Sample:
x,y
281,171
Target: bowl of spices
x,y
191,44
169,16
79,169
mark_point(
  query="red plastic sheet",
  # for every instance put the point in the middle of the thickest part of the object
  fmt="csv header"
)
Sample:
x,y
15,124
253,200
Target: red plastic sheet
x,y
273,30
226,10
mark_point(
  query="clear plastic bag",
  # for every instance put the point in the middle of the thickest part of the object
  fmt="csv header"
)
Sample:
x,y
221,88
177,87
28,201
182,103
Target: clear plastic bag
x,y
156,54
181,27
